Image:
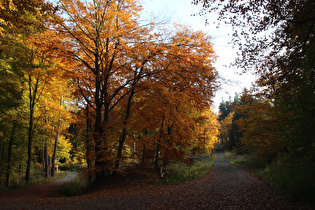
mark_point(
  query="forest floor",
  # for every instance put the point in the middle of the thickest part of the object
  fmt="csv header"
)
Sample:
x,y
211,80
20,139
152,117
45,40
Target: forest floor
x,y
225,187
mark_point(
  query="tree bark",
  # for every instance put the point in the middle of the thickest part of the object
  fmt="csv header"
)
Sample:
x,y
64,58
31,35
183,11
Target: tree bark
x,y
157,155
143,155
8,181
46,163
29,146
158,146
46,167
32,101
124,132
53,159
88,143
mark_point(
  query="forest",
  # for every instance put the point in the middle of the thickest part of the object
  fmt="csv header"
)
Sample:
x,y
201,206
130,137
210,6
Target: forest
x,y
85,85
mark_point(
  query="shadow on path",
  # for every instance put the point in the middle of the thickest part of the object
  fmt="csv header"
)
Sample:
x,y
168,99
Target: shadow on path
x,y
225,187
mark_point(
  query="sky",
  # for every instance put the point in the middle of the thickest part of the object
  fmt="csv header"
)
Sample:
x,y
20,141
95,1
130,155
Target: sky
x,y
181,11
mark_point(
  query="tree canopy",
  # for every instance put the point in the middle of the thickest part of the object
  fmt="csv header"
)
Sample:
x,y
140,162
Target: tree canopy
x,y
84,84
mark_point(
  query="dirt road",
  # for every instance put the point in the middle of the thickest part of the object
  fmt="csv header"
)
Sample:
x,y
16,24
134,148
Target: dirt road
x,y
225,187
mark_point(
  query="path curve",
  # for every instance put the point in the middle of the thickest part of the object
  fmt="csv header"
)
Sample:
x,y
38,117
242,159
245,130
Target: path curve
x,y
225,187
26,198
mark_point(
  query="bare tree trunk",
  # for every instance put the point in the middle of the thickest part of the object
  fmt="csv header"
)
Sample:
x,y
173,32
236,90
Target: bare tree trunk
x,y
143,155
53,161
46,160
157,155
8,181
32,101
158,147
29,146
43,159
89,149
1,160
124,132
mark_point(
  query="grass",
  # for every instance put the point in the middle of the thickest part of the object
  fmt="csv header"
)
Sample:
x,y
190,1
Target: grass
x,y
180,172
247,162
175,173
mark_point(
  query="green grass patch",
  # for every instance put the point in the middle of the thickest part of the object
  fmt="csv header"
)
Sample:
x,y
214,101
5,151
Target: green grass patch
x,y
74,187
247,162
180,172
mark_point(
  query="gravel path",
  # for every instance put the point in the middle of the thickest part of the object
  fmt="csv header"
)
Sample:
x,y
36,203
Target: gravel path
x,y
225,187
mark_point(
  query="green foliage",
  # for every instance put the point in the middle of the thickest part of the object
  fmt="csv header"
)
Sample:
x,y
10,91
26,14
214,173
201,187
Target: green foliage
x,y
293,178
246,161
180,172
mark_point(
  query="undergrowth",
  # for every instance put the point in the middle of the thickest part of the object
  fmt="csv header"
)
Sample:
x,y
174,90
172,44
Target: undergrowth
x,y
247,162
73,187
180,172
35,180
285,175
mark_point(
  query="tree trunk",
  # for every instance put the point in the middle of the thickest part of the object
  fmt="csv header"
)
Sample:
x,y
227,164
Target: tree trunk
x,y
53,160
124,132
143,156
32,101
1,160
46,168
158,147
46,163
8,181
43,160
100,162
88,144
29,146
157,155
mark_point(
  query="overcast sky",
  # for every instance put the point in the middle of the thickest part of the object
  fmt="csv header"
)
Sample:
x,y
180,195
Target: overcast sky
x,y
181,11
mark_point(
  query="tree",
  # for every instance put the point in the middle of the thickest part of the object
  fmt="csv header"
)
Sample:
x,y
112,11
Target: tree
x,y
225,108
115,58
226,126
102,35
260,127
207,130
17,20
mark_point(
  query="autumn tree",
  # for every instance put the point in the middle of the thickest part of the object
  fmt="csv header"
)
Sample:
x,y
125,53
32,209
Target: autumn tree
x,y
33,76
17,21
226,126
207,130
115,58
228,117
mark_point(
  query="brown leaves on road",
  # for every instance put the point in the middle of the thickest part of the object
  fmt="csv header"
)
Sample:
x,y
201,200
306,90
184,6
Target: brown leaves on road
x,y
225,187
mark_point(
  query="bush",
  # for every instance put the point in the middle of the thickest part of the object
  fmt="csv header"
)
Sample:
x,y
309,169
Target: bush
x,y
293,178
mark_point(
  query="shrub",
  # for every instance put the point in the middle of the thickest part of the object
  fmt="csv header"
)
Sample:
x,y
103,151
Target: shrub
x,y
293,178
